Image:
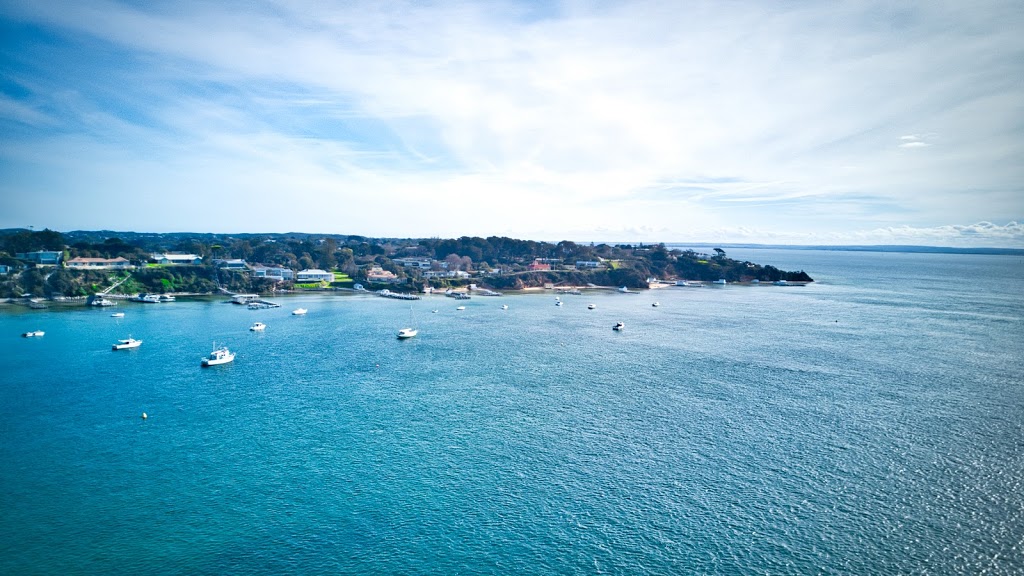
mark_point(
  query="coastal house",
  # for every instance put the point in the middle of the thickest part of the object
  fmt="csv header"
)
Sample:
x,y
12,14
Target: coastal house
x,y
378,274
420,263
314,275
41,257
584,264
177,259
231,264
537,265
80,263
275,273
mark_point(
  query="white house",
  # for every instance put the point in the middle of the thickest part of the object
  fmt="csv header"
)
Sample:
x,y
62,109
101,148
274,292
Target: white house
x,y
193,259
314,275
234,264
273,273
580,264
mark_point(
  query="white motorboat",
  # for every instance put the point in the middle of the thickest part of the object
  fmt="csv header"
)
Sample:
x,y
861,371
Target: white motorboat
x,y
166,298
219,356
591,306
559,303
33,333
299,312
148,298
780,283
624,289
720,282
619,326
258,327
655,304
101,301
117,315
460,307
126,344
504,306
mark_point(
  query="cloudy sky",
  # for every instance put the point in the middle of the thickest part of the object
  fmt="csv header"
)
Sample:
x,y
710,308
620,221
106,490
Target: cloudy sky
x,y
723,121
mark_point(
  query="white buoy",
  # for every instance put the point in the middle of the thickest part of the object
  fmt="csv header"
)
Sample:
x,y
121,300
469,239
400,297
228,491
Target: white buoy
x,y
144,416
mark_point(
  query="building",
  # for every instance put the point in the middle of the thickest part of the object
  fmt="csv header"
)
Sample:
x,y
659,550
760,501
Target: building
x,y
581,264
314,275
5,269
378,274
233,264
537,265
274,273
421,263
41,257
171,259
80,263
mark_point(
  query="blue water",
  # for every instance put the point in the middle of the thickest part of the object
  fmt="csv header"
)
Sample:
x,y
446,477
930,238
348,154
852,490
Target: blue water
x,y
872,422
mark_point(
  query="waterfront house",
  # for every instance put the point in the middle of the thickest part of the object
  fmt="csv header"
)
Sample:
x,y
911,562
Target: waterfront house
x,y
231,264
41,257
420,263
537,265
119,263
378,274
274,273
314,275
177,259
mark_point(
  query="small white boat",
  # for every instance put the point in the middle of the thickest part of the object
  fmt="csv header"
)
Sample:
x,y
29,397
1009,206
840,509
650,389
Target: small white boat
x,y
117,315
619,326
126,344
559,303
148,298
655,305
624,289
434,311
258,327
591,306
460,308
219,356
166,298
780,283
720,282
299,312
101,301
405,333
33,333
504,306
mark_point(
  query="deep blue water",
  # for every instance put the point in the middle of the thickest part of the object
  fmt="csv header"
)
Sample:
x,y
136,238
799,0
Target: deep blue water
x,y
870,423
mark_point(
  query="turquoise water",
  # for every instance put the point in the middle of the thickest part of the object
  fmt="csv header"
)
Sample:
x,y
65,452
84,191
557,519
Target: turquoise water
x,y
868,423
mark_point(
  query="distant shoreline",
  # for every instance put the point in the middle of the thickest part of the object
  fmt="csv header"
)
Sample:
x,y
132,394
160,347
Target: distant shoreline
x,y
896,248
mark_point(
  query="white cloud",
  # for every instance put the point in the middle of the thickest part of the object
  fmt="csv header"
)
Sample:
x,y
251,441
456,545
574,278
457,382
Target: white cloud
x,y
576,118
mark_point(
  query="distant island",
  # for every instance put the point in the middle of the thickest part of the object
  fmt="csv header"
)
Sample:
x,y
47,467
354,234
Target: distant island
x,y
81,264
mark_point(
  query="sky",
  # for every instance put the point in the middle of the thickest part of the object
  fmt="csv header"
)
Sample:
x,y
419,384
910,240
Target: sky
x,y
777,122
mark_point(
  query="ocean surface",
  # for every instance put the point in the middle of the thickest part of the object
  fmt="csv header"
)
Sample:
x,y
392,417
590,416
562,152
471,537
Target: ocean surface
x,y
869,423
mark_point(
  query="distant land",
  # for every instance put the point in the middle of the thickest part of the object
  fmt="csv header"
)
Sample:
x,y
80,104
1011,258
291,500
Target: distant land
x,y
859,248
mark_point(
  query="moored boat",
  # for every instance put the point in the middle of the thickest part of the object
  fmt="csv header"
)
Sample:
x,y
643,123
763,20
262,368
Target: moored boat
x,y
258,327
619,326
33,333
117,315
299,312
406,333
126,344
219,356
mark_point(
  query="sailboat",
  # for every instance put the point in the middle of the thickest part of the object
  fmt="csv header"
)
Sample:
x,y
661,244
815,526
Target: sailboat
x,y
406,333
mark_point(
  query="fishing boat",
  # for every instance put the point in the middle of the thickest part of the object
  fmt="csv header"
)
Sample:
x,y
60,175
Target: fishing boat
x,y
219,356
619,326
591,306
655,305
258,327
299,312
126,344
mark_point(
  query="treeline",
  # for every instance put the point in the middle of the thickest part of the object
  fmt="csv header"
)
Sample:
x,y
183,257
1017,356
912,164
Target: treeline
x,y
495,262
